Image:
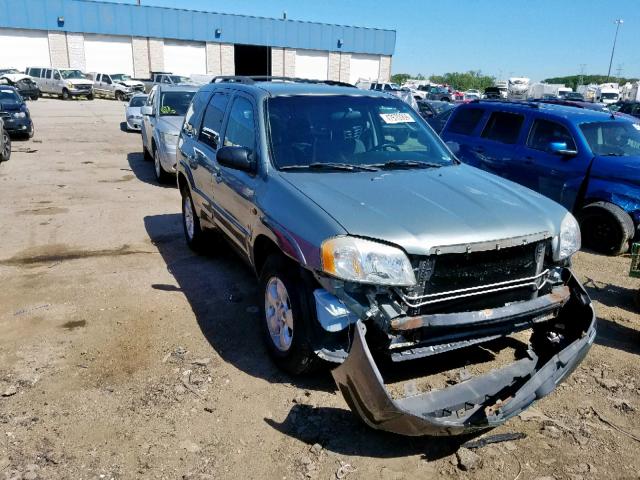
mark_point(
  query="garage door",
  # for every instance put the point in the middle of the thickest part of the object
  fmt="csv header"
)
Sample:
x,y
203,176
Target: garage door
x,y
23,48
312,64
108,54
364,67
185,58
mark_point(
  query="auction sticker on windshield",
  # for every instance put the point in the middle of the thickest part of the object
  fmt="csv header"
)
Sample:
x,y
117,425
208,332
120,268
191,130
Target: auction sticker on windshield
x,y
393,118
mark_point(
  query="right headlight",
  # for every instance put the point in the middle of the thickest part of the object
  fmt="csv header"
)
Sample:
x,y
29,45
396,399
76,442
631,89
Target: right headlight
x,y
569,240
359,260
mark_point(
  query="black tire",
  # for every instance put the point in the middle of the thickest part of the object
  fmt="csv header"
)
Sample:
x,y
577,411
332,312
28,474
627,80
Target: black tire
x,y
119,96
147,156
606,228
65,94
31,132
90,97
195,237
162,176
5,150
34,97
298,358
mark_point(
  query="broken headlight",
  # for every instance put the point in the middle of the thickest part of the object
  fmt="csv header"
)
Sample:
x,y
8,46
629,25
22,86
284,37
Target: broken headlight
x,y
569,240
360,260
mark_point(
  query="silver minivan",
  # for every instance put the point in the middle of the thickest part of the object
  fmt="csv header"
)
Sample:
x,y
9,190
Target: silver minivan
x,y
63,82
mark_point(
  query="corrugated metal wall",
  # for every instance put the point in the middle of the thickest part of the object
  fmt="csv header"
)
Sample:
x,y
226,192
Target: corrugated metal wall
x,y
131,20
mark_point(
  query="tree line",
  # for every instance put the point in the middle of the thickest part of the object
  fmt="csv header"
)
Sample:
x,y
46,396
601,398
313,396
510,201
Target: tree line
x,y
574,80
459,80
475,79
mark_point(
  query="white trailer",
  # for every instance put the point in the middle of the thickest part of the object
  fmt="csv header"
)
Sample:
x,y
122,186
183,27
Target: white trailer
x,y
539,90
608,93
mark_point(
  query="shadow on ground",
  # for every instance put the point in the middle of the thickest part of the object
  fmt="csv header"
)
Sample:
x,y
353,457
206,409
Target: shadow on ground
x,y
143,170
222,291
612,333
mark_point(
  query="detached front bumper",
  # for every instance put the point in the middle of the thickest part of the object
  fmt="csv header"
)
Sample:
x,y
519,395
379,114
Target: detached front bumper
x,y
483,401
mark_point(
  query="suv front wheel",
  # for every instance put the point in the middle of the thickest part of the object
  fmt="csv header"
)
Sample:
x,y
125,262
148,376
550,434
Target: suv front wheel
x,y
606,228
286,317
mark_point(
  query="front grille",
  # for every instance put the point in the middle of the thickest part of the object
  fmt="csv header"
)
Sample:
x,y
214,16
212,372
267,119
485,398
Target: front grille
x,y
512,274
83,87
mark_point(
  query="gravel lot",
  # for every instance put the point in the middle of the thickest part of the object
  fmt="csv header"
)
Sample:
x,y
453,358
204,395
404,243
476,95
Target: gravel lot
x,y
124,355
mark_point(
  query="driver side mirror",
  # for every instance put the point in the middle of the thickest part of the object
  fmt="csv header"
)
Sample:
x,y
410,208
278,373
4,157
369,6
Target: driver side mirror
x,y
146,110
56,76
238,158
560,148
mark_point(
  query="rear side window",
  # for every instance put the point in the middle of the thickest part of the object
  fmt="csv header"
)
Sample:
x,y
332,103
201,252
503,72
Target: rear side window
x,y
194,113
503,127
240,127
212,123
545,132
35,72
465,120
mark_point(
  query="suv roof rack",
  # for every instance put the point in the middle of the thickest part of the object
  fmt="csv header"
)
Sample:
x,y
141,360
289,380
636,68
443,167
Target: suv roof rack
x,y
250,80
526,103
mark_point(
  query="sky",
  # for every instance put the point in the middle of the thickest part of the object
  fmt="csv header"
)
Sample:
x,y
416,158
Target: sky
x,y
533,38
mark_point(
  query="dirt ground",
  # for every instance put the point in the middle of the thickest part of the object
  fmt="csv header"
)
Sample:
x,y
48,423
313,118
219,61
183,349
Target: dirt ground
x,y
124,355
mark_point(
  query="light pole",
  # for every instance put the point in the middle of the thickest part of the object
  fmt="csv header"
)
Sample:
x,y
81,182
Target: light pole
x,y
618,22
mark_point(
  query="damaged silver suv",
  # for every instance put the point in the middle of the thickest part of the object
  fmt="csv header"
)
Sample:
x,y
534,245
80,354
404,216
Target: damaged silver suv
x,y
373,242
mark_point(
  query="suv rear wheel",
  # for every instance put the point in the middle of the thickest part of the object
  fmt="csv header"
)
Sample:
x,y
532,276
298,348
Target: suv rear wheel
x,y
191,223
606,228
286,317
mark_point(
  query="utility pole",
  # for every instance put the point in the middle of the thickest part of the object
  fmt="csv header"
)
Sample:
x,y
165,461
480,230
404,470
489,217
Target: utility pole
x,y
581,81
618,22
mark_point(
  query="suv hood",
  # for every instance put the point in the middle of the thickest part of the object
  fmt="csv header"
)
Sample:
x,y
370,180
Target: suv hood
x,y
421,209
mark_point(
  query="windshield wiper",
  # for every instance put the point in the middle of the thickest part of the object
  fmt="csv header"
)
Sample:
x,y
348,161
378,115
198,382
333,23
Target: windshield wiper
x,y
407,164
331,166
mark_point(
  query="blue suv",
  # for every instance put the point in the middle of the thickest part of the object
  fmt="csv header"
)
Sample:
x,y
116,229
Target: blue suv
x,y
587,161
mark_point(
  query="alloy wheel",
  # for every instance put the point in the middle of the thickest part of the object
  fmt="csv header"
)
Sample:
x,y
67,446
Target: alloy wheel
x,y
279,316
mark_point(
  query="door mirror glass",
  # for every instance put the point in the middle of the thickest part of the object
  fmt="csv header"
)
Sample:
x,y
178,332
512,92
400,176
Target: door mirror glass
x,y
454,147
56,76
146,110
560,148
238,158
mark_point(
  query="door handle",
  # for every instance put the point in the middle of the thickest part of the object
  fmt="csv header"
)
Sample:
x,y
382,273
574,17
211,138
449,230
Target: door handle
x,y
528,160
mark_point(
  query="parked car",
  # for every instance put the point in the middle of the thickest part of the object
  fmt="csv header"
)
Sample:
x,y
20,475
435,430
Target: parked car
x,y
630,108
17,120
5,140
133,111
436,113
440,93
574,96
63,82
583,159
493,93
164,78
115,85
23,83
162,118
367,235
